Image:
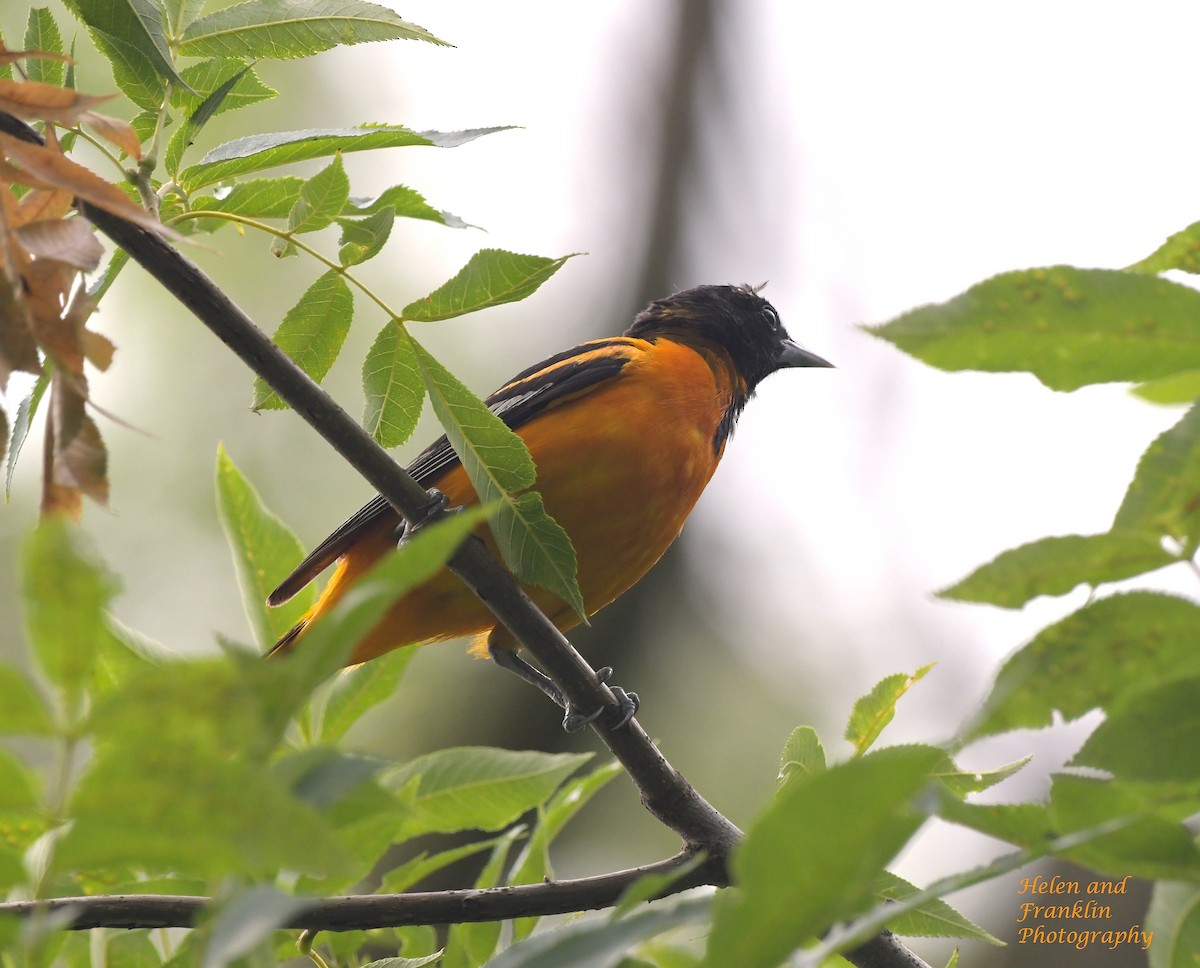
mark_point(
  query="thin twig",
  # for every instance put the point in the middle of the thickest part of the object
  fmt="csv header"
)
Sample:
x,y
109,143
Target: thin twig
x,y
365,911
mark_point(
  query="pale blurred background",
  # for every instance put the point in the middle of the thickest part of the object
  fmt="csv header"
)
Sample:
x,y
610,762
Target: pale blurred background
x,y
864,158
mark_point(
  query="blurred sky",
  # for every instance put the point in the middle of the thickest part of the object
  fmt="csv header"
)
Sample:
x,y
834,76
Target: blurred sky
x,y
880,156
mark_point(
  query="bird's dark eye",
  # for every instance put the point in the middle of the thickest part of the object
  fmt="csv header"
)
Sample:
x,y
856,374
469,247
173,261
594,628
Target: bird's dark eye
x,y
772,317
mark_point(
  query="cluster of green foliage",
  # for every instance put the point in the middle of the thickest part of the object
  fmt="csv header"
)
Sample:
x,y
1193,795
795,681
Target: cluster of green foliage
x,y
134,771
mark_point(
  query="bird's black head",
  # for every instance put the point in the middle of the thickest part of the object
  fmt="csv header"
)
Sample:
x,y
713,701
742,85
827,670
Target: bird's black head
x,y
734,319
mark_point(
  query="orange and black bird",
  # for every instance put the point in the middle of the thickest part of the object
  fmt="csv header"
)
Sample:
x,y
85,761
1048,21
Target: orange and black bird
x,y
625,433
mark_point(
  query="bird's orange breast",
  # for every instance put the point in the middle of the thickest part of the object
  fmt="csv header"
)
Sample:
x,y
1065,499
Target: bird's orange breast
x,y
620,467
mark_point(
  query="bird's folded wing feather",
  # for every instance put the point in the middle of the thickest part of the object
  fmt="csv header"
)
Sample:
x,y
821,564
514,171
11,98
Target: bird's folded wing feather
x,y
527,395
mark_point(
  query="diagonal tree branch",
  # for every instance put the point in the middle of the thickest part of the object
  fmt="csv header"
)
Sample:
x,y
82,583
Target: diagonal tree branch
x,y
666,794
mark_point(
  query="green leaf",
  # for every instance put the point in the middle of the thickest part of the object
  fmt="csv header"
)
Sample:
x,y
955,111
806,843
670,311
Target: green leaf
x,y
1134,826
331,638
177,144
472,943
1055,566
26,410
264,552
803,755
144,123
405,962
1180,388
1180,251
648,887
218,99
282,29
134,74
1174,921
392,387
600,943
1069,327
42,33
66,590
18,786
246,918
1152,735
122,652
498,465
23,710
363,238
875,710
177,14
491,277
839,828
213,719
402,878
359,689
533,863
322,776
321,199
933,919
312,334
538,550
406,203
1026,825
243,87
962,782
475,788
131,949
1164,496
256,152
256,198
104,282
135,24
1093,658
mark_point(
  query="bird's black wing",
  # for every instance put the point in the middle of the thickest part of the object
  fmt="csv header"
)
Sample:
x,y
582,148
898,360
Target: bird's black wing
x,y
528,394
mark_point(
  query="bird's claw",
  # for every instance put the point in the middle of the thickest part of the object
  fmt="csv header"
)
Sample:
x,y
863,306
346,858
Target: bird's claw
x,y
627,706
437,504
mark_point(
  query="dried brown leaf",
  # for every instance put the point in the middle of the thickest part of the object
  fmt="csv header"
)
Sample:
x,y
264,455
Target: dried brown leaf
x,y
98,349
69,240
44,166
36,101
116,131
48,285
12,175
79,461
43,203
12,56
56,499
18,348
83,463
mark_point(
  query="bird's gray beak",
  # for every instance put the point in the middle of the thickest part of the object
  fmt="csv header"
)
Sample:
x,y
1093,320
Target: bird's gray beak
x,y
793,355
